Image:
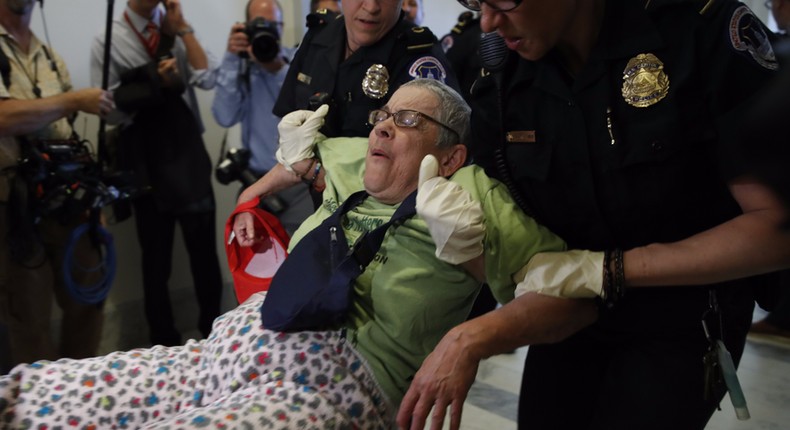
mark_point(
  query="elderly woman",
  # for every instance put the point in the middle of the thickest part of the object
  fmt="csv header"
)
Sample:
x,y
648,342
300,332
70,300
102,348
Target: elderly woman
x,y
348,376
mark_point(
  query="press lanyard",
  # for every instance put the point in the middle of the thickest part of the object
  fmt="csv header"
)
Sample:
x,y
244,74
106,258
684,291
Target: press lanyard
x,y
33,79
143,40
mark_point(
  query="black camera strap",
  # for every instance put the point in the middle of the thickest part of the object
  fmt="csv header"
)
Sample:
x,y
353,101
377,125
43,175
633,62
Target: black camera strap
x,y
5,68
222,147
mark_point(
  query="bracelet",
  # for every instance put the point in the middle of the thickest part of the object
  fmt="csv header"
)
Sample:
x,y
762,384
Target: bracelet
x,y
322,187
613,281
311,182
184,31
301,175
619,274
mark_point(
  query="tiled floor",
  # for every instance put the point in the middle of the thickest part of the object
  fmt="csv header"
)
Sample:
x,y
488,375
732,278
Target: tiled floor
x,y
764,374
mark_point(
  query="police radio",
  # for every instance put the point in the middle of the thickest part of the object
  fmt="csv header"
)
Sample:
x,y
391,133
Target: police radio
x,y
494,55
316,100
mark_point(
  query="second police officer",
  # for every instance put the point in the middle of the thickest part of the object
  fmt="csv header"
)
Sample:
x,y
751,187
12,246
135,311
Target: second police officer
x,y
616,124
355,61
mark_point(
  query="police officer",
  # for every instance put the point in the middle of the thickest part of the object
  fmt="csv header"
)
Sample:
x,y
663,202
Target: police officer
x,y
619,134
460,46
356,61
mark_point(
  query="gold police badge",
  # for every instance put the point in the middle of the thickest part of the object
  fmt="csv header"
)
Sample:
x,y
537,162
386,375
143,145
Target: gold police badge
x,y
644,81
376,82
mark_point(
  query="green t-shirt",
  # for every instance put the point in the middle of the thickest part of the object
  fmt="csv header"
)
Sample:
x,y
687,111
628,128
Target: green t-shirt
x,y
407,299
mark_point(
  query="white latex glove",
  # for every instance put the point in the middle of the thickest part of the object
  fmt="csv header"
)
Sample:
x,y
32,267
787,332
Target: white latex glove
x,y
298,135
575,274
454,219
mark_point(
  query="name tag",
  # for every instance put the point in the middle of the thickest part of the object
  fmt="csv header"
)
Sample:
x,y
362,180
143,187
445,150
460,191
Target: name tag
x,y
524,136
301,77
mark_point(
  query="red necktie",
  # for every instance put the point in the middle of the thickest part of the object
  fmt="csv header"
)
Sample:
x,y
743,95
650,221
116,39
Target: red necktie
x,y
152,41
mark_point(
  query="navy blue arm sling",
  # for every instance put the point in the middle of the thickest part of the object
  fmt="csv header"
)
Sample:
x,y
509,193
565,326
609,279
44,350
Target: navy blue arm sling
x,y
312,289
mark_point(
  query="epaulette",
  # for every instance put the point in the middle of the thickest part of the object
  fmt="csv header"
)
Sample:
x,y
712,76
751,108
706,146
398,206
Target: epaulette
x,y
463,21
419,38
704,5
320,17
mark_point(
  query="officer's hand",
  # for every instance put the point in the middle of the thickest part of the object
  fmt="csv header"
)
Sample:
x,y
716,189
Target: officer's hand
x,y
238,41
299,134
454,219
574,274
443,381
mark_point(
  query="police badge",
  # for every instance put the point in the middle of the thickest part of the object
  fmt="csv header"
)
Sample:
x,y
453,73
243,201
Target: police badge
x,y
376,82
644,81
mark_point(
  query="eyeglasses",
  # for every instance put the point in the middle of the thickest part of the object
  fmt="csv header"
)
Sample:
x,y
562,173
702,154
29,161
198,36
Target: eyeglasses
x,y
405,118
497,5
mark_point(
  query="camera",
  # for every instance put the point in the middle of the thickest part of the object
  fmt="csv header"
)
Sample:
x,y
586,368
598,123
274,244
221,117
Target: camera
x,y
234,167
264,38
67,180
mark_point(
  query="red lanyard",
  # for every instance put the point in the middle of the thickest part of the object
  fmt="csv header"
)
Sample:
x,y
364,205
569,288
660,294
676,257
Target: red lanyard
x,y
149,44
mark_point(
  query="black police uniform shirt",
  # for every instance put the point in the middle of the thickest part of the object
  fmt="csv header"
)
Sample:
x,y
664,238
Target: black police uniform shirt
x,y
635,149
590,163
407,52
461,47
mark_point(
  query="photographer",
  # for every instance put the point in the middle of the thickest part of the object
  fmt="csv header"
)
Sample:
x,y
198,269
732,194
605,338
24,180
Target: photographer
x,y
250,77
35,100
155,62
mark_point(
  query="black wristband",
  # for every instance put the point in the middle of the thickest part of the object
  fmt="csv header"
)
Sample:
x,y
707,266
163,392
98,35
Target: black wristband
x,y
613,278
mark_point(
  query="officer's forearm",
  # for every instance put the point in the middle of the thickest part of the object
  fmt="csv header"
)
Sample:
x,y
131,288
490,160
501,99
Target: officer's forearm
x,y
19,117
527,320
749,244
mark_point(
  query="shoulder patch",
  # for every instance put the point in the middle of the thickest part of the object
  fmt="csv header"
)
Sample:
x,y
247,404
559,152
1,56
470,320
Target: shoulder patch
x,y
428,67
748,37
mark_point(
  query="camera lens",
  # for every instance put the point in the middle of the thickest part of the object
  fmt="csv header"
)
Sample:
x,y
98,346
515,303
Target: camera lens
x,y
264,46
264,38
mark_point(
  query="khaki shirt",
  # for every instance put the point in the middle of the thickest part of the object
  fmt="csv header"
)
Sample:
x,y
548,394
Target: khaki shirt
x,y
27,68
